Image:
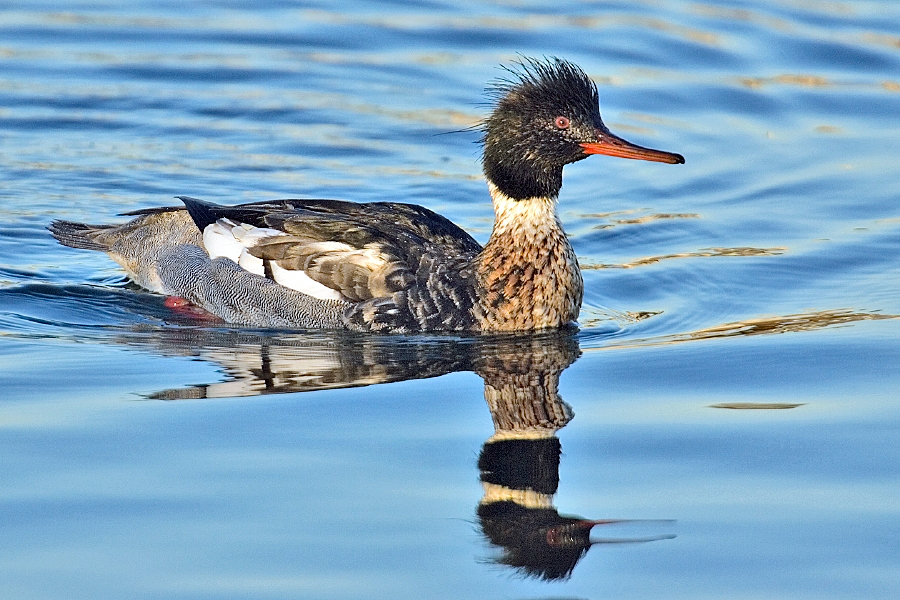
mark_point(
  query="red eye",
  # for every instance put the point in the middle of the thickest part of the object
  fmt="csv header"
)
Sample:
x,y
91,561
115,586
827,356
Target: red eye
x,y
562,122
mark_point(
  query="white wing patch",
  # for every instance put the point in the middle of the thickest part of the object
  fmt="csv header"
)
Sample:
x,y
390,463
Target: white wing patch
x,y
229,239
300,281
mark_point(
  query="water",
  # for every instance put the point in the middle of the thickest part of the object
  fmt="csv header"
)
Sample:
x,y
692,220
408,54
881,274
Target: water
x,y
733,382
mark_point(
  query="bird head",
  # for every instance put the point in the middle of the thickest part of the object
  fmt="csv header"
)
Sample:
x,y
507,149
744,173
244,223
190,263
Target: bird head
x,y
547,115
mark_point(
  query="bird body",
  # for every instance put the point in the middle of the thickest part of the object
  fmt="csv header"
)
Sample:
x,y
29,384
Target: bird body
x,y
387,266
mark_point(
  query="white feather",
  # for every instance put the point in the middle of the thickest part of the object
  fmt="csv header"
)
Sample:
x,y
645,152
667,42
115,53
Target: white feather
x,y
300,281
328,246
220,242
230,239
248,262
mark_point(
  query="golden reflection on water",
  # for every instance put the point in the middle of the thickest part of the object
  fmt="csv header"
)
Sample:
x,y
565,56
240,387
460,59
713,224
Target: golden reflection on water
x,y
756,405
759,326
705,253
814,81
638,220
527,22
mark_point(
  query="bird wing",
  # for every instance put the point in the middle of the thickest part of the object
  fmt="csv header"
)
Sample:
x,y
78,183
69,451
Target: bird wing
x,y
331,249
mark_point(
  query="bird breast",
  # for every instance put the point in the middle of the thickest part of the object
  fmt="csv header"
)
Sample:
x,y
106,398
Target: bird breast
x,y
528,273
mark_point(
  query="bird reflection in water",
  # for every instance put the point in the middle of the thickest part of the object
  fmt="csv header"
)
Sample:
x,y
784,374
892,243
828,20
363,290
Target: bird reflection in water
x,y
519,464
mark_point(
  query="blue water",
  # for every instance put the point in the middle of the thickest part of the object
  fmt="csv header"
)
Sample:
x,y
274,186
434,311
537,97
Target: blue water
x,y
733,382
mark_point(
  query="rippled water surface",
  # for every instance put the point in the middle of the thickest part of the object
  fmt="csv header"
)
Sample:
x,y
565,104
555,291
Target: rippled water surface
x,y
733,381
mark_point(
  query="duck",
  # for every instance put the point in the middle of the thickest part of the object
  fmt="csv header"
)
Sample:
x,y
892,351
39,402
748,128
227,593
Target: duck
x,y
388,266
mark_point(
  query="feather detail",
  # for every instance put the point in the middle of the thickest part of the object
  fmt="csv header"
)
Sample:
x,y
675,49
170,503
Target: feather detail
x,y
335,250
355,273
236,241
301,282
229,239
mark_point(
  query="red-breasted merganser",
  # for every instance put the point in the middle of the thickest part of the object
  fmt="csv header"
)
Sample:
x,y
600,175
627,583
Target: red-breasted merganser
x,y
387,266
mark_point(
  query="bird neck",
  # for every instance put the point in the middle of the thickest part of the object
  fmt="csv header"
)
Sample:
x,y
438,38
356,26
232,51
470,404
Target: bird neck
x,y
517,171
525,219
528,274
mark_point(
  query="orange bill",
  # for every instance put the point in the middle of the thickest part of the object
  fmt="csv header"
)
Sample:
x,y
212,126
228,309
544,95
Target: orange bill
x,y
612,145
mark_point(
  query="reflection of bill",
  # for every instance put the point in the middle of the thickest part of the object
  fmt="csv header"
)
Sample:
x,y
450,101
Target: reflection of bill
x,y
516,514
519,464
519,467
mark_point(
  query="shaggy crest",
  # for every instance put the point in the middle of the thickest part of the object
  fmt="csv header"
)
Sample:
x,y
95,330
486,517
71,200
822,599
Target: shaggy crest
x,y
534,82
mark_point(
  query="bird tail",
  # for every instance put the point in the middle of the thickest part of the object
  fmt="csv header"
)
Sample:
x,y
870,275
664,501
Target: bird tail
x,y
78,235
